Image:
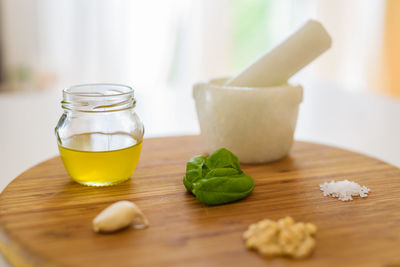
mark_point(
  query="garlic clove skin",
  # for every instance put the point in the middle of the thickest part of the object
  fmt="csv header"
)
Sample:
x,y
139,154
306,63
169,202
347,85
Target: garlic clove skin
x,y
119,215
140,221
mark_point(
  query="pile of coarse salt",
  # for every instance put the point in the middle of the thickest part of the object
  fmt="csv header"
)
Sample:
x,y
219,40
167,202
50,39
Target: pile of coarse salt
x,y
344,190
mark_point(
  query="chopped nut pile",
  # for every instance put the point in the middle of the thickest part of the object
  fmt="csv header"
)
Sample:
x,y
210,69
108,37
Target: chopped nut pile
x,y
281,238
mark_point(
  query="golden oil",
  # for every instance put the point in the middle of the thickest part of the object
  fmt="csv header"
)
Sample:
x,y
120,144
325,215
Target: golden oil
x,y
98,159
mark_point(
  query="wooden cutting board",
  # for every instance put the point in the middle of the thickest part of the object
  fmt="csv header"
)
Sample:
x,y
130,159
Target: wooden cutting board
x,y
45,218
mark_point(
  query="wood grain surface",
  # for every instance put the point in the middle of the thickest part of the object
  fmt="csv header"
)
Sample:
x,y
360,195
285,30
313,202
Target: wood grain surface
x,y
45,218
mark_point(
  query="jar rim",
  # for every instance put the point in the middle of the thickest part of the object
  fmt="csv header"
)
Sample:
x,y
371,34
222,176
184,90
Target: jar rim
x,y
98,97
125,90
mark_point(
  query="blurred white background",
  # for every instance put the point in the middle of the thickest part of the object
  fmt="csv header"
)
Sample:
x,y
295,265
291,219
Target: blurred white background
x,y
149,44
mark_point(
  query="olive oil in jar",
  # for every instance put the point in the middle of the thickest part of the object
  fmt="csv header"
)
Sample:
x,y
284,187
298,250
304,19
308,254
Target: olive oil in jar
x,y
99,159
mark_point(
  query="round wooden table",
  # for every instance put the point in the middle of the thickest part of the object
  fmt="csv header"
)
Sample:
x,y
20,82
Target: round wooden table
x,y
45,218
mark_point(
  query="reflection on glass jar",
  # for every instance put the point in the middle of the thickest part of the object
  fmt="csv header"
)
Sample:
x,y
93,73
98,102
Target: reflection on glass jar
x,y
99,134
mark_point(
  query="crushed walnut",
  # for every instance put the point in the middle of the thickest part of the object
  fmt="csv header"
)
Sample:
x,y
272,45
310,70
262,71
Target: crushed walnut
x,y
281,238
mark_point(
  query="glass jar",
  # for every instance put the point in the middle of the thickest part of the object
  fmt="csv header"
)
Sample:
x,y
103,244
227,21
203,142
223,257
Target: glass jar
x,y
99,134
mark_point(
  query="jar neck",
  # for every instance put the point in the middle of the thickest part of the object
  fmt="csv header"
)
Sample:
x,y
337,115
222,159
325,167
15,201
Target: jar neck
x,y
98,98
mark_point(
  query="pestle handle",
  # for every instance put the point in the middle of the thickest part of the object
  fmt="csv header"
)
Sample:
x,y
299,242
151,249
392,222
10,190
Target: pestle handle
x,y
278,65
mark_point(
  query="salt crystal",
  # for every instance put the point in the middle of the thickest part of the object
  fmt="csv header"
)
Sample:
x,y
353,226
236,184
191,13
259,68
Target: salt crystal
x,y
344,190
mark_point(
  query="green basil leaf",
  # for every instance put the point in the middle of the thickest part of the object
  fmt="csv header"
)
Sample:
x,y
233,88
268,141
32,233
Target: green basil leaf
x,y
219,172
195,169
220,190
217,179
222,158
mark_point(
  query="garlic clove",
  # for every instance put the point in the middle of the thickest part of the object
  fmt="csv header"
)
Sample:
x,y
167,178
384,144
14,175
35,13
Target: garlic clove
x,y
119,215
